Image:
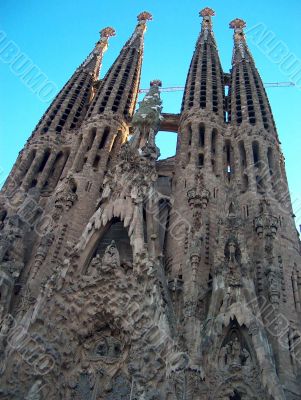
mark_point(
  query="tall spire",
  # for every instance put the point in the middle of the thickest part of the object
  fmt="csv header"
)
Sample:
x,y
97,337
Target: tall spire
x,y
248,101
204,85
119,89
70,105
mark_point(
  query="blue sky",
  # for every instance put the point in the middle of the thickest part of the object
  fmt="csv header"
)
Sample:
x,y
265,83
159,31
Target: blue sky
x,y
58,35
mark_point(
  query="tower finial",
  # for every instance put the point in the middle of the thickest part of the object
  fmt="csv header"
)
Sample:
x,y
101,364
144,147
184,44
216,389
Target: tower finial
x,y
238,25
107,32
144,16
207,12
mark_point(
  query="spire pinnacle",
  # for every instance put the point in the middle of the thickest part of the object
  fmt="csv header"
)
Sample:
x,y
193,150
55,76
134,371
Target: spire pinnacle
x,y
94,60
241,51
137,37
238,25
144,16
107,32
206,14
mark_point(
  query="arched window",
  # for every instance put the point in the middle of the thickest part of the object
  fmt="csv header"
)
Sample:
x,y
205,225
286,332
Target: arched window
x,y
202,135
117,233
255,148
270,156
44,160
104,138
189,135
213,141
245,182
201,160
91,138
242,153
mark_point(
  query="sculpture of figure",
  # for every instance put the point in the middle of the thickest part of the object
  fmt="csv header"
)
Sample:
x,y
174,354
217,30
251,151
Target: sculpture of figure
x,y
111,258
232,251
245,357
274,283
236,349
233,350
95,263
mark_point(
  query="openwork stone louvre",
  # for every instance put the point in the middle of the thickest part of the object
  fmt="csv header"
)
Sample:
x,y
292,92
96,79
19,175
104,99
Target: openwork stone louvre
x,y
127,277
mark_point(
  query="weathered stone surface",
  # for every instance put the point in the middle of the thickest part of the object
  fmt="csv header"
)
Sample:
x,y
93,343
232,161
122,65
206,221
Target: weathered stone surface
x,y
123,277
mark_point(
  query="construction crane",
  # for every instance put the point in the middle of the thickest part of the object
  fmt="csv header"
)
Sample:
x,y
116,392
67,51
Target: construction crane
x,y
181,88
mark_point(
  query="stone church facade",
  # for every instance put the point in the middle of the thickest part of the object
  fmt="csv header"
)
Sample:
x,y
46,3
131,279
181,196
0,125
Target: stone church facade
x,y
126,277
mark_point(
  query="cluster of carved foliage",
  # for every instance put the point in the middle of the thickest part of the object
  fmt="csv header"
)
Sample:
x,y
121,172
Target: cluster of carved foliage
x,y
132,176
100,328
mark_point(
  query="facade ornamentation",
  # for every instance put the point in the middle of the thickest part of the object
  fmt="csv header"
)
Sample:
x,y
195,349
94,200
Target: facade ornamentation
x,y
158,279
65,196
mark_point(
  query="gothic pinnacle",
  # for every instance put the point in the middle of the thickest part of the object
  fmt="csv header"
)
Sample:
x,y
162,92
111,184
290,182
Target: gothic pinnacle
x,y
238,25
241,50
207,12
107,32
144,16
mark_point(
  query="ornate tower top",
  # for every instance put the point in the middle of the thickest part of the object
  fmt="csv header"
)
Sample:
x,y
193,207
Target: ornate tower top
x,y
238,25
107,32
144,16
207,12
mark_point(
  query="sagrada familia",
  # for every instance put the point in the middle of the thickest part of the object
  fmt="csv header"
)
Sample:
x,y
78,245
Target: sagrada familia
x,y
124,276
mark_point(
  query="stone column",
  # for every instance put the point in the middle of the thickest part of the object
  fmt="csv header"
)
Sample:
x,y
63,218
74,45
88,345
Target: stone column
x,y
81,152
219,154
43,178
94,148
250,169
33,169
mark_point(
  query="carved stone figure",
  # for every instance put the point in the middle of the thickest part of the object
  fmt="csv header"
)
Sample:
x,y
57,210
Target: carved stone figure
x,y
111,258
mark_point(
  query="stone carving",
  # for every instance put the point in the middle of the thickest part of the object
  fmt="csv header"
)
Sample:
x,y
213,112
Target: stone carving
x,y
9,238
107,349
65,196
42,251
171,310
121,389
273,274
232,266
266,225
233,355
108,262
